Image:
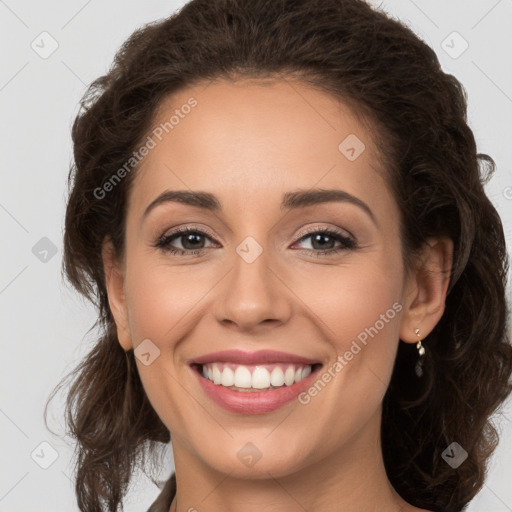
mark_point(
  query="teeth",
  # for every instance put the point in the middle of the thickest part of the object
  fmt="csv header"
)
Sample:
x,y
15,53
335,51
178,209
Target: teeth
x,y
289,376
242,377
277,377
260,378
217,376
255,377
228,377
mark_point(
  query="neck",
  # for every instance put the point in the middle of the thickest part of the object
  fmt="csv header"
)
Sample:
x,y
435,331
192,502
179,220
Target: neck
x,y
351,479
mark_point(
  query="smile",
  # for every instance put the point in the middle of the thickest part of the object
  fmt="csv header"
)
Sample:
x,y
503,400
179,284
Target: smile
x,y
253,382
245,378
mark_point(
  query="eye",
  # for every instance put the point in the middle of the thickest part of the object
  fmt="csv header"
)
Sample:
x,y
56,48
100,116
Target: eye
x,y
191,239
323,239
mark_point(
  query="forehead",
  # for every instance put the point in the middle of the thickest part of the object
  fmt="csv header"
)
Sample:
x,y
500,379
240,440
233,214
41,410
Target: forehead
x,y
250,141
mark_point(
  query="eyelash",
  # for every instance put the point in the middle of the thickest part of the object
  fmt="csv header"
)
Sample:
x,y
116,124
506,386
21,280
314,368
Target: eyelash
x,y
163,242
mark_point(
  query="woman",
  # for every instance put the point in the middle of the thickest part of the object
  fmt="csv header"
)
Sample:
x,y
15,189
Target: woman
x,y
278,208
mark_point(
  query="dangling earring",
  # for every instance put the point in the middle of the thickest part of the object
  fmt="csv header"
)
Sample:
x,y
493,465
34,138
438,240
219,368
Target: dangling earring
x,y
421,351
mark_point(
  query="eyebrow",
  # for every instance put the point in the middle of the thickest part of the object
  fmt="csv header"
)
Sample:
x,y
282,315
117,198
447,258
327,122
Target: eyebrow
x,y
290,201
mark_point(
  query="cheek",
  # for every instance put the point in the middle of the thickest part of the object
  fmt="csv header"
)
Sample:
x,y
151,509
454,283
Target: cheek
x,y
161,300
356,307
351,297
165,307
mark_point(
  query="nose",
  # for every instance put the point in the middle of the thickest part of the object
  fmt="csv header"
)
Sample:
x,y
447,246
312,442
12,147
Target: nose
x,y
253,295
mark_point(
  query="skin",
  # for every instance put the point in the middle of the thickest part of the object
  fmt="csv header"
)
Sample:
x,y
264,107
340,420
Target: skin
x,y
249,142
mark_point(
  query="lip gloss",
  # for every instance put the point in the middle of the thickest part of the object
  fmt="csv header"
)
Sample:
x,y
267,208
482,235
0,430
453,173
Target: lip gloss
x,y
253,401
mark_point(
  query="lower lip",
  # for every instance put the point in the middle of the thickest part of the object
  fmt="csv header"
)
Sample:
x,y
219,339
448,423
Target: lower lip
x,y
254,402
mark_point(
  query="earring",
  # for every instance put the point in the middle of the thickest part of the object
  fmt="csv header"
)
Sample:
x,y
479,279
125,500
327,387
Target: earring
x,y
421,351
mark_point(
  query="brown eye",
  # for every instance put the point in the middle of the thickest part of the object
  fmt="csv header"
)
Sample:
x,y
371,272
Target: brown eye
x,y
191,240
323,241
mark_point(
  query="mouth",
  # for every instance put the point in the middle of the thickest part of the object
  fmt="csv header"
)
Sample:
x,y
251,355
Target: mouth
x,y
254,383
255,378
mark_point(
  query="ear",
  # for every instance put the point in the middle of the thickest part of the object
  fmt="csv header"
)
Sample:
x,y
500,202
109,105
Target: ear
x,y
114,281
426,288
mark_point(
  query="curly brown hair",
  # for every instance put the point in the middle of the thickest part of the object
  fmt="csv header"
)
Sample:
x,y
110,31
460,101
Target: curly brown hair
x,y
385,72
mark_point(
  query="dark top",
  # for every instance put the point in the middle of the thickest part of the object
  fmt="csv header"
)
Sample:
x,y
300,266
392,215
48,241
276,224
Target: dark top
x,y
164,499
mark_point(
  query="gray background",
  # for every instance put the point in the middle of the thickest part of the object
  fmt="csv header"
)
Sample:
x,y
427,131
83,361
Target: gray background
x,y
44,322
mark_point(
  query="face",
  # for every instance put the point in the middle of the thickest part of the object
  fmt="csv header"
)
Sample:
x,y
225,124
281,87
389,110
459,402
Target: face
x,y
316,278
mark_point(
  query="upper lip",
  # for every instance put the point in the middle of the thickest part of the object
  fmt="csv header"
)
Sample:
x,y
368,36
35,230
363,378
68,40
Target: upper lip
x,y
252,358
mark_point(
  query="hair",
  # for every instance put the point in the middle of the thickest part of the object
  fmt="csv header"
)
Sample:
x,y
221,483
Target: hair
x,y
384,72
